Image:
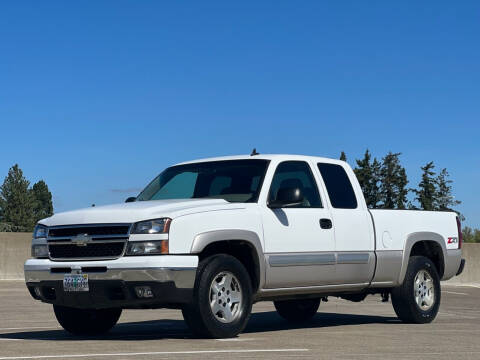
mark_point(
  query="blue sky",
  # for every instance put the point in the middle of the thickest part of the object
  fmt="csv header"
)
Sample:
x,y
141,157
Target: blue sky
x,y
96,98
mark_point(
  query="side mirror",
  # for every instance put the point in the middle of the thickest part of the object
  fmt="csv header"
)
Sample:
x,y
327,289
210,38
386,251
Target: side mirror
x,y
131,199
287,197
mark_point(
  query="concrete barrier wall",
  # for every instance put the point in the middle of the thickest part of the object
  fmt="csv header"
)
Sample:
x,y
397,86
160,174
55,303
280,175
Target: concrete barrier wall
x,y
471,273
15,249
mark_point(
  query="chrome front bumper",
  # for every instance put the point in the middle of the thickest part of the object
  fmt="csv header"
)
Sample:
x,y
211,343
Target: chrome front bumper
x,y
164,268
113,282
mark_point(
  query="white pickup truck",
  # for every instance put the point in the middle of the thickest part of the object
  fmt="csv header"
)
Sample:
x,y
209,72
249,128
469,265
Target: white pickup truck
x,y
213,236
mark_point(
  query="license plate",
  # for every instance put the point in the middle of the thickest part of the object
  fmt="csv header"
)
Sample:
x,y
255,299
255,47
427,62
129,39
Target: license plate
x,y
75,282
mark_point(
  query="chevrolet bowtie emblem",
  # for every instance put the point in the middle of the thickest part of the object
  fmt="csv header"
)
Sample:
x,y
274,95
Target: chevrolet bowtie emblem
x,y
81,239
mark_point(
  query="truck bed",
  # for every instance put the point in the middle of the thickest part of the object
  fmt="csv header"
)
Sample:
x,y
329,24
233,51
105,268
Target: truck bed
x,y
397,230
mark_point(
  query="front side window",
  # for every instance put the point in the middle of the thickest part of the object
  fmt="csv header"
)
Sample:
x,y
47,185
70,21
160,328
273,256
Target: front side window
x,y
232,180
296,174
339,187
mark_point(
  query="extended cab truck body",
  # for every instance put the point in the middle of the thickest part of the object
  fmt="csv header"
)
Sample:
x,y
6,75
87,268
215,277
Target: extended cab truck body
x,y
213,236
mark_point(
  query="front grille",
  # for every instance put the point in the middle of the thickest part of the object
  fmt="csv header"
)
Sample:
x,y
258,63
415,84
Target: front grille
x,y
85,242
92,250
101,230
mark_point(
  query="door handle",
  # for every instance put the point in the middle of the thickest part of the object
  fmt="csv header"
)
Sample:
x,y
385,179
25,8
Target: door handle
x,y
326,223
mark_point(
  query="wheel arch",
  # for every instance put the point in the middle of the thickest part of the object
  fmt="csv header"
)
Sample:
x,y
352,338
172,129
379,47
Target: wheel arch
x,y
428,244
233,242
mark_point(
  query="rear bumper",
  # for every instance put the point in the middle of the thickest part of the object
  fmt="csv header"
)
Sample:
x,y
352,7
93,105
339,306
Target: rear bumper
x,y
112,283
462,266
453,262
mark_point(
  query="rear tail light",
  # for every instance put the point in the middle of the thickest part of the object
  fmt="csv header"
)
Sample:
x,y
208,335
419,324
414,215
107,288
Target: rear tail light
x,y
460,234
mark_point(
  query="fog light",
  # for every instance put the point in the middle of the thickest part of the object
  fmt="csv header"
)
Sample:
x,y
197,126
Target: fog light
x,y
37,291
39,251
144,292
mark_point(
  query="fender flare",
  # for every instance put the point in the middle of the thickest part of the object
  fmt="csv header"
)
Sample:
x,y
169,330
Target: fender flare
x,y
414,238
202,240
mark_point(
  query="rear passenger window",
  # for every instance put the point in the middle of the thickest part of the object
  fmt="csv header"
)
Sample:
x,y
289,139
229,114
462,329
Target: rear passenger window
x,y
338,185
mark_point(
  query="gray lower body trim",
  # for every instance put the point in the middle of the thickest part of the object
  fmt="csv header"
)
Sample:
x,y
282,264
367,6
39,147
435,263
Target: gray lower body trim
x,y
354,267
353,258
389,265
299,269
182,277
308,259
319,269
301,260
271,294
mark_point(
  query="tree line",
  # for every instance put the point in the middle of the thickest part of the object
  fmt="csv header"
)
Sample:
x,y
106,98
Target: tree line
x,y
384,184
471,235
22,205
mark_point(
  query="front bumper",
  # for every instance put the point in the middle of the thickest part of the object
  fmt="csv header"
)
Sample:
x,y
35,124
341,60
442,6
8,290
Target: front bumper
x,y
112,283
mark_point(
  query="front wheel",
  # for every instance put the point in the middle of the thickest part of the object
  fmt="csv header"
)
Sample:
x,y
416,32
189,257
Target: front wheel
x,y
297,311
222,300
417,300
86,321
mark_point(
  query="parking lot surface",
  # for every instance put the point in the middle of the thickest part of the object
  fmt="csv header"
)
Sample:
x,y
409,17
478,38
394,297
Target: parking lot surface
x,y
341,330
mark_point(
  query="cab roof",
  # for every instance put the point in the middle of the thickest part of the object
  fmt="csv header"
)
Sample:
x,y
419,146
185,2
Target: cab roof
x,y
277,157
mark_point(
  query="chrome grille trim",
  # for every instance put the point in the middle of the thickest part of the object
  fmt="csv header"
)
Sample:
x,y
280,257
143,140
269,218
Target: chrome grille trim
x,y
66,241
63,240
94,237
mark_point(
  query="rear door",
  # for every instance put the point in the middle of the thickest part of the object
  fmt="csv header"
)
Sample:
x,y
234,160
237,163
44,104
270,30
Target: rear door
x,y
299,251
354,238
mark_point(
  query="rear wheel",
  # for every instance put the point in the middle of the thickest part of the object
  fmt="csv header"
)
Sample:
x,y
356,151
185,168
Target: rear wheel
x,y
86,321
222,300
297,310
417,300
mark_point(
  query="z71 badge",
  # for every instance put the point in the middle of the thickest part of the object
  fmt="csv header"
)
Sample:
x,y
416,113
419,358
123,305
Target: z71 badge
x,y
452,240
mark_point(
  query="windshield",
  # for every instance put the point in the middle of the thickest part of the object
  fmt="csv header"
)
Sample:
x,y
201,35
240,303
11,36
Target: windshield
x,y
232,180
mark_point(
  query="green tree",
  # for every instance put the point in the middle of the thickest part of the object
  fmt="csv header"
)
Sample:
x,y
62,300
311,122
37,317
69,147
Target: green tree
x,y
444,199
16,200
426,194
468,234
343,156
471,235
43,206
393,186
368,174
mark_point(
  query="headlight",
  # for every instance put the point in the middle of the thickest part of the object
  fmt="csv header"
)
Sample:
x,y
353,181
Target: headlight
x,y
40,231
40,251
147,247
156,226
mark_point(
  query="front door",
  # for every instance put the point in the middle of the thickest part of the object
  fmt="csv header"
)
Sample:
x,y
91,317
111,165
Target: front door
x,y
299,243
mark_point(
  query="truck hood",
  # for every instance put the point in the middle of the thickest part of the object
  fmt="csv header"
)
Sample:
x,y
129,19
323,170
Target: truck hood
x,y
138,211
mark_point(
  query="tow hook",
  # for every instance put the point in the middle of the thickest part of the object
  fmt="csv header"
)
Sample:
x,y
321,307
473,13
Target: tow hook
x,y
385,296
325,299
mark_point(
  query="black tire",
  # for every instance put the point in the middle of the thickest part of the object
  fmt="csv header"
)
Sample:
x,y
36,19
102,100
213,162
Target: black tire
x,y
403,296
199,315
297,311
86,321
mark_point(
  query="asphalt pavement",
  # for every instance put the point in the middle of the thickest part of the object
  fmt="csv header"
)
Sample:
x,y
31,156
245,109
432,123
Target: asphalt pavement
x,y
340,330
